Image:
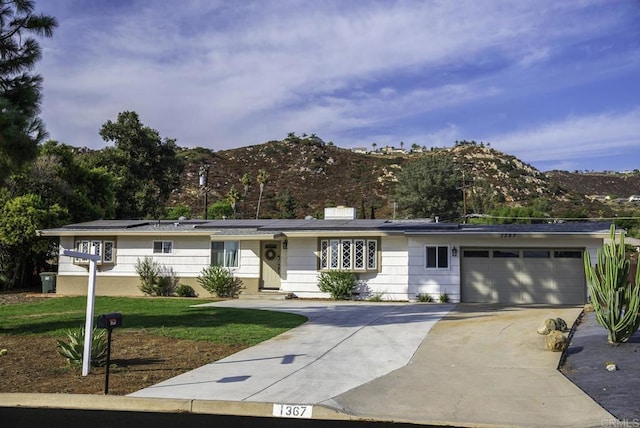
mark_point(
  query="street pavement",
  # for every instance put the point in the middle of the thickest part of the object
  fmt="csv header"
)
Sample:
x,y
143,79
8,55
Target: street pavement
x,y
342,346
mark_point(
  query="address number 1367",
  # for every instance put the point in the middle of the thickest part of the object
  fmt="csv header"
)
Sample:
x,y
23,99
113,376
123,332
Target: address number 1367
x,y
292,411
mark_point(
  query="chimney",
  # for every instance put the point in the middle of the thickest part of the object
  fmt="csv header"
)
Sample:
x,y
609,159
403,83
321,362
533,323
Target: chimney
x,y
340,213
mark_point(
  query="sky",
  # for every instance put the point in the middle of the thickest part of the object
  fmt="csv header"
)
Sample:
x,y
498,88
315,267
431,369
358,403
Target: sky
x,y
554,83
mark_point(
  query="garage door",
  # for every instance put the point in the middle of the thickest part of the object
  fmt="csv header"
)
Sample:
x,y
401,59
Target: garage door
x,y
521,275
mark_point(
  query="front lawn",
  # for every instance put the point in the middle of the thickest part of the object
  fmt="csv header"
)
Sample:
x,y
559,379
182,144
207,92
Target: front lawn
x,y
171,317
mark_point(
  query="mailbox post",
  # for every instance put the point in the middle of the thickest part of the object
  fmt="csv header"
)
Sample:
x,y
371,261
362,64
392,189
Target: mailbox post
x,y
109,322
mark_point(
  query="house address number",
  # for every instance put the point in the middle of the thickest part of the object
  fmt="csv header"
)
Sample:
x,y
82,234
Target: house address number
x,y
300,411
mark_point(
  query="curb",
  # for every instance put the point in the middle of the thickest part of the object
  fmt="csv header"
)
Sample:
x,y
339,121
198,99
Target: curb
x,y
160,405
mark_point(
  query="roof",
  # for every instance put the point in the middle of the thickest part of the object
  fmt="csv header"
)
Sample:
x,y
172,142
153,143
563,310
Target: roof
x,y
281,228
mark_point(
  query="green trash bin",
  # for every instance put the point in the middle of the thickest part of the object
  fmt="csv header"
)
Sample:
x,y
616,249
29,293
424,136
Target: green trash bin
x,y
48,280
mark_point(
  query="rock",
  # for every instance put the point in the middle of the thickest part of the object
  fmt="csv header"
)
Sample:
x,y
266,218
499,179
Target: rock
x,y
548,326
561,324
556,341
3,352
611,366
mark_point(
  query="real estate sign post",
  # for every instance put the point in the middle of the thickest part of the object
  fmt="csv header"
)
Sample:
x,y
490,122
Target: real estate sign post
x,y
91,298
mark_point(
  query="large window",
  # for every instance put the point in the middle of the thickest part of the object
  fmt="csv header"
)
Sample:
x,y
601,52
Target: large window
x,y
348,254
105,249
225,253
437,257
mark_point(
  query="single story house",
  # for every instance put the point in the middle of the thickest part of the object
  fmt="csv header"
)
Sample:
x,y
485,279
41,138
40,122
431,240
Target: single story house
x,y
397,259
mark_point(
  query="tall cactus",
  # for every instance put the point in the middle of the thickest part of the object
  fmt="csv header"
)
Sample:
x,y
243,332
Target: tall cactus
x,y
615,298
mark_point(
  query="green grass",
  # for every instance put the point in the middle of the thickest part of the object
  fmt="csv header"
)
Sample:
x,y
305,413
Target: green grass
x,y
170,317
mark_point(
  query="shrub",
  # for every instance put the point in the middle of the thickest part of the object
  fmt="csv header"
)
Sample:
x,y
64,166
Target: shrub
x,y
220,281
184,290
444,298
376,297
424,298
73,351
339,283
155,279
148,270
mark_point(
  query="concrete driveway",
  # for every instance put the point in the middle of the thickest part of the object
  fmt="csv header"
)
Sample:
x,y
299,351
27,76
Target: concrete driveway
x,y
342,346
481,365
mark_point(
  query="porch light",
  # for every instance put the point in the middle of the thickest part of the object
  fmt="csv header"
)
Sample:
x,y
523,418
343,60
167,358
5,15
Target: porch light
x,y
454,252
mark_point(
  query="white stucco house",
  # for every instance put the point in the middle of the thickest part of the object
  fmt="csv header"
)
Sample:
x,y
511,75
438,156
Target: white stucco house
x,y
398,259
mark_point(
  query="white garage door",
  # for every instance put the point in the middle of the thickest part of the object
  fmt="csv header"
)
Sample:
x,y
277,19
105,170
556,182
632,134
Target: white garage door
x,y
521,275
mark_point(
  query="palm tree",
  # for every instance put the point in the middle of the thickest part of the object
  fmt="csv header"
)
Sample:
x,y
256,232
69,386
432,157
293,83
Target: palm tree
x,y
262,178
232,196
246,181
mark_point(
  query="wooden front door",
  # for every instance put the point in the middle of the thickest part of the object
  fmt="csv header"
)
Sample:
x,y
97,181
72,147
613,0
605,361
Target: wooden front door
x,y
270,272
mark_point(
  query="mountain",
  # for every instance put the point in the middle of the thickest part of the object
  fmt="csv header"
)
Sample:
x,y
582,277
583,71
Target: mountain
x,y
309,174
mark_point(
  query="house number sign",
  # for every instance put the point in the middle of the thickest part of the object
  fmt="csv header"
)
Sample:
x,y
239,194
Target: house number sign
x,y
300,411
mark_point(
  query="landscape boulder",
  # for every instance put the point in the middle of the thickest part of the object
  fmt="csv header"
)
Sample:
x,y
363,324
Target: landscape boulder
x,y
552,324
556,341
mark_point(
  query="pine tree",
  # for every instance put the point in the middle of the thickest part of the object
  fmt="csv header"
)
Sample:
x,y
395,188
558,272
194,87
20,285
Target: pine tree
x,y
20,92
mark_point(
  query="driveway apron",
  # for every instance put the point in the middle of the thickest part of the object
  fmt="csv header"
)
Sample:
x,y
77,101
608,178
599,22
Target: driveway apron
x,y
342,346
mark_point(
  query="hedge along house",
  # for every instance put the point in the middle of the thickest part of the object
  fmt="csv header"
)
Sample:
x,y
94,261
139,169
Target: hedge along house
x,y
398,259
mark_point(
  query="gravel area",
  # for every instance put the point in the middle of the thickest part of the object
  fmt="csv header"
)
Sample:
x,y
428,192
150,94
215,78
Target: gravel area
x,y
588,355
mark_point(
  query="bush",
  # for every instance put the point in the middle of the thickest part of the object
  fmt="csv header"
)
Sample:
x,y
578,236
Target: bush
x,y
424,298
155,279
73,351
148,271
184,290
339,283
220,281
444,298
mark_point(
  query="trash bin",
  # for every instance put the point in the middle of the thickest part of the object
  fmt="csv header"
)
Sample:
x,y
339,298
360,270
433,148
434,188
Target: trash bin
x,y
48,280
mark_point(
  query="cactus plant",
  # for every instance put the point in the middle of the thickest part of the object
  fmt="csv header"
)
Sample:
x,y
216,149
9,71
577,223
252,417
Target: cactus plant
x,y
615,298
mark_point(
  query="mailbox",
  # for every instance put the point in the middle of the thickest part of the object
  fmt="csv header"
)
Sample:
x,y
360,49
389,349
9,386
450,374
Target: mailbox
x,y
110,321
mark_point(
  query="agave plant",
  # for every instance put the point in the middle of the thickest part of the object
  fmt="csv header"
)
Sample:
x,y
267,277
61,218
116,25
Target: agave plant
x,y
73,350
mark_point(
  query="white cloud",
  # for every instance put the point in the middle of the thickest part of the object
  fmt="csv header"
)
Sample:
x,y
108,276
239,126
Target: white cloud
x,y
588,136
226,74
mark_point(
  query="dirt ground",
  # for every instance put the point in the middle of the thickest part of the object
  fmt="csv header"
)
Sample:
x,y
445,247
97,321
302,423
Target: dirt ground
x,y
138,360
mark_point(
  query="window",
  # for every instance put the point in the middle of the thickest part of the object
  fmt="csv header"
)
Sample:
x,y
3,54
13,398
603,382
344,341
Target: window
x,y
105,249
506,254
348,254
162,247
437,257
536,254
225,253
475,253
567,254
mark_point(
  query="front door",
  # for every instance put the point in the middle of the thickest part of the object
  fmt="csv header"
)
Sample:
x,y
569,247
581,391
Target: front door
x,y
270,255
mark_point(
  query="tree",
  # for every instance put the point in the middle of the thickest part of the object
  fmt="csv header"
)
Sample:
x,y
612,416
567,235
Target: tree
x,y
220,209
287,204
233,196
20,92
21,250
615,299
430,187
246,182
262,179
147,168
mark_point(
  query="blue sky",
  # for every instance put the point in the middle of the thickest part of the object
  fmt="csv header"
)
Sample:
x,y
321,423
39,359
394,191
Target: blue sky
x,y
555,83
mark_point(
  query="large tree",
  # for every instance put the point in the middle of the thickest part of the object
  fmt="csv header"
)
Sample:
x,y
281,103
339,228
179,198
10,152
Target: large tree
x,y
146,167
430,187
20,91
21,250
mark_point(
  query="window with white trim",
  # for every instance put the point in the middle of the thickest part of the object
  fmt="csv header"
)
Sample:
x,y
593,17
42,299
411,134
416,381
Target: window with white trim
x,y
436,257
225,254
348,254
105,249
162,247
